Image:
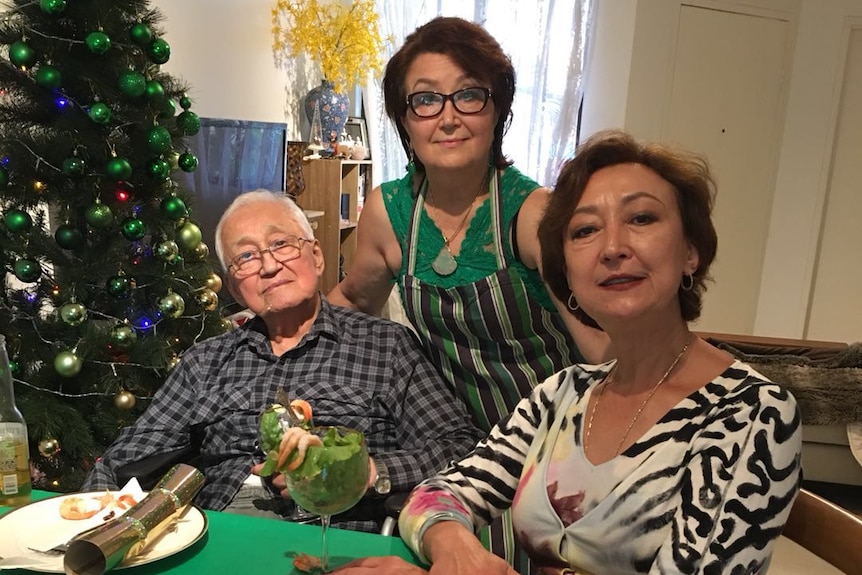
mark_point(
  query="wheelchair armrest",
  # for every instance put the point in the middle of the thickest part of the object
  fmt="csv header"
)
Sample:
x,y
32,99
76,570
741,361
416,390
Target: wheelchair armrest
x,y
393,506
150,469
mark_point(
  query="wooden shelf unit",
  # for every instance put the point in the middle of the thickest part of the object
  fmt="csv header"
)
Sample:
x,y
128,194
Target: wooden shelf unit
x,y
327,181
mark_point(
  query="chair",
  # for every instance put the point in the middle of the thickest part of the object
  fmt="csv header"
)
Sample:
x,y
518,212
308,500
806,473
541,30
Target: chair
x,y
828,531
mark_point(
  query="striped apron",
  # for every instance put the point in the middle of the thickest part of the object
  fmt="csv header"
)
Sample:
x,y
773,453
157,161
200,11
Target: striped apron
x,y
490,339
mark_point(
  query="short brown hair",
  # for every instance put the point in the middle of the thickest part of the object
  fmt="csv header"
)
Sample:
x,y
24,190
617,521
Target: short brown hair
x,y
687,172
473,49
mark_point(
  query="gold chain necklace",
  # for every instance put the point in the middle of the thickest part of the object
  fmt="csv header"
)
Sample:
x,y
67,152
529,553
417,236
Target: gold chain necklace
x,y
608,380
445,263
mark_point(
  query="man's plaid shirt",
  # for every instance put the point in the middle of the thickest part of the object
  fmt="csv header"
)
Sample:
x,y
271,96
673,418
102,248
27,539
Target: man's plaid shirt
x,y
354,369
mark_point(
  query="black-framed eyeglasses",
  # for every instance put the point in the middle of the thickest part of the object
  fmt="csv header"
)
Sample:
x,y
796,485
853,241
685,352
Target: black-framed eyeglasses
x,y
467,101
250,262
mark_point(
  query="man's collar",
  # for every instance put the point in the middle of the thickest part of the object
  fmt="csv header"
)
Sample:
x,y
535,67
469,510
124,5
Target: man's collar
x,y
325,325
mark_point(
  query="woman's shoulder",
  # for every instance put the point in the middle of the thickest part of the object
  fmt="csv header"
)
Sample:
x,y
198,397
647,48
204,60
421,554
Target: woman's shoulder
x,y
742,384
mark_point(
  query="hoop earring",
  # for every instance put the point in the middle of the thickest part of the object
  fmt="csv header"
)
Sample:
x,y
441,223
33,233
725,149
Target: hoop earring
x,y
569,305
687,286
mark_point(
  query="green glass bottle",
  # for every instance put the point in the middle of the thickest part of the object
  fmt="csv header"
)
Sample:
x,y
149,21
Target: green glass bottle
x,y
15,484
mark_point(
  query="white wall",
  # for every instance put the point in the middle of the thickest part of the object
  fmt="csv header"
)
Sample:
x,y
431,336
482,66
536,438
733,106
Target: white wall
x,y
804,166
610,56
223,49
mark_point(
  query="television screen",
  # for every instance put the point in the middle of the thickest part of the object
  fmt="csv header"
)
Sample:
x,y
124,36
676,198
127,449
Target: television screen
x,y
234,156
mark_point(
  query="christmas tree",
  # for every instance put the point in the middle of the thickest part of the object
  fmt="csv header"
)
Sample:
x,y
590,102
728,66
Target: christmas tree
x,y
107,280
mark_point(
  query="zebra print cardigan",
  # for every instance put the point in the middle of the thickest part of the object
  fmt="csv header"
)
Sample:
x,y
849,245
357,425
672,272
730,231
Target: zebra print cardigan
x,y
706,490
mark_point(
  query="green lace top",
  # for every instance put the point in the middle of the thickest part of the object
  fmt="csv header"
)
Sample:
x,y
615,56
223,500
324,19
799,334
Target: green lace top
x,y
476,259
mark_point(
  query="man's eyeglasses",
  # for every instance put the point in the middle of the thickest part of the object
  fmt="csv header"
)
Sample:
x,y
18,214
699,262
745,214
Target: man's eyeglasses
x,y
250,262
466,101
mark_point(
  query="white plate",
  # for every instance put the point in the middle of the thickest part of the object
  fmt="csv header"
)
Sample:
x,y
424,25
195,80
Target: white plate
x,y
20,528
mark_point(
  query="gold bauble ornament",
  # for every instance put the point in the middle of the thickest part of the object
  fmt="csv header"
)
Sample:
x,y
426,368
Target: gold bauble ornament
x,y
208,299
173,305
125,400
214,282
201,251
49,447
227,325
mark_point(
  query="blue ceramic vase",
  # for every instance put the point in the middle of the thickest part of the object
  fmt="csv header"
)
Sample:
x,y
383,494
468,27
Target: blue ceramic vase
x,y
332,106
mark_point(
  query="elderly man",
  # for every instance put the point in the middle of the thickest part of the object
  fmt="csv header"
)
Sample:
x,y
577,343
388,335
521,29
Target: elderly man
x,y
354,369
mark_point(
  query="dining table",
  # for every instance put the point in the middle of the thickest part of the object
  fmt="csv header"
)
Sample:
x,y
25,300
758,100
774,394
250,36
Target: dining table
x,y
236,543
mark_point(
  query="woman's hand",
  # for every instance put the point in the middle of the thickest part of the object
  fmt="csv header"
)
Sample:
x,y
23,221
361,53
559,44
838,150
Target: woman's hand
x,y
455,550
278,481
381,565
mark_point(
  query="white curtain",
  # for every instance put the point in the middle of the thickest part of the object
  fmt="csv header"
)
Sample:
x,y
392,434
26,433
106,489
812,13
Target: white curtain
x,y
547,42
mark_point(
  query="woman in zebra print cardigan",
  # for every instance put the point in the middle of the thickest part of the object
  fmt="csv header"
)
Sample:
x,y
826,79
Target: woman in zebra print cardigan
x,y
674,458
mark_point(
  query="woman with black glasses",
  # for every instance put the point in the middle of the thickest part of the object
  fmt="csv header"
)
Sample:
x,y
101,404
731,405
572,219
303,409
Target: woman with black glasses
x,y
458,231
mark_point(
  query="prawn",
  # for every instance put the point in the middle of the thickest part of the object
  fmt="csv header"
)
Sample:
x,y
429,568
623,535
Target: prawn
x,y
306,563
295,438
77,508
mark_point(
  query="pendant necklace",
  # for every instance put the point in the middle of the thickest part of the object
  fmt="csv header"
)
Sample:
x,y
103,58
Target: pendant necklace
x,y
609,379
445,264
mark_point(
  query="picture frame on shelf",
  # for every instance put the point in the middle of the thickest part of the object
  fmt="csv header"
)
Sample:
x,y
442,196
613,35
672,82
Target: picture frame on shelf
x,y
357,130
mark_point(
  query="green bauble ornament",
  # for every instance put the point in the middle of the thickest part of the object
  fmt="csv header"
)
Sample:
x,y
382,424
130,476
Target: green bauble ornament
x,y
140,34
168,250
27,270
168,110
187,162
68,364
174,208
118,168
15,366
155,91
207,299
73,314
159,139
118,287
21,54
74,166
123,337
18,221
52,7
189,236
159,51
4,177
189,123
69,237
158,168
201,251
185,102
100,113
132,83
49,77
133,229
99,216
98,42
172,305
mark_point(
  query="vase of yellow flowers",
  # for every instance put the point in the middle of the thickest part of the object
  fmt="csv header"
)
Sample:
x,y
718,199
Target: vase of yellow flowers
x,y
344,40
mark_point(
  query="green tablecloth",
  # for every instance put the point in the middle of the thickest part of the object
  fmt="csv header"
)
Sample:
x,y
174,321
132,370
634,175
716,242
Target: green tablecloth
x,y
242,544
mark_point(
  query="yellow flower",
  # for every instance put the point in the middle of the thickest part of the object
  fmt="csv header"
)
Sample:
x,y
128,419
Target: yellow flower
x,y
344,40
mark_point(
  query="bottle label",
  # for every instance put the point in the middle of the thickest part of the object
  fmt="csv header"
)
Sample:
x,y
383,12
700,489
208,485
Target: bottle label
x,y
14,457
